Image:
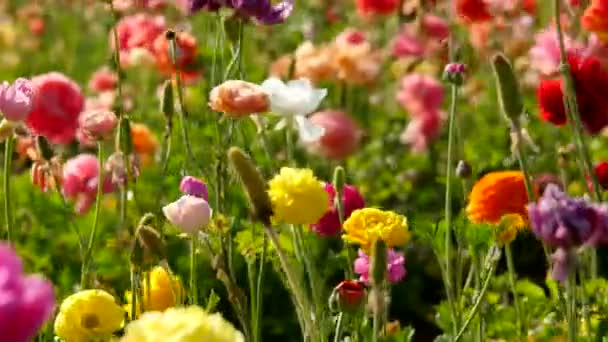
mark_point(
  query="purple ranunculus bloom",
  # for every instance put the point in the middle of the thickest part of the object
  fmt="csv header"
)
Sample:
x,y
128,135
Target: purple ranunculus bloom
x,y
26,301
263,10
563,221
395,266
194,187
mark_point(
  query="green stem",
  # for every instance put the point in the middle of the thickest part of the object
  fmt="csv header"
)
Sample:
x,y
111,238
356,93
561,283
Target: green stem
x,y
448,210
193,265
8,213
350,274
572,319
315,282
338,331
89,251
289,145
378,312
259,294
518,311
134,286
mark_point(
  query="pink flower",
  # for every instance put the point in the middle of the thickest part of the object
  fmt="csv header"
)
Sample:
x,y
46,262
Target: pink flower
x,y
16,99
188,213
598,49
27,301
194,187
329,224
137,31
395,266
420,94
80,179
103,79
97,124
341,138
422,130
423,40
544,55
57,106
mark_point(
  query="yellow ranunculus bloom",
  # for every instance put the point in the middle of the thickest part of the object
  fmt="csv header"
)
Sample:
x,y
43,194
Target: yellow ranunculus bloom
x,y
88,315
297,197
366,225
508,227
189,324
165,291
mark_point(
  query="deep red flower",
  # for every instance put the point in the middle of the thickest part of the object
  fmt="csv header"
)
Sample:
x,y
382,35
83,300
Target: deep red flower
x,y
590,82
376,7
601,172
529,6
349,295
473,10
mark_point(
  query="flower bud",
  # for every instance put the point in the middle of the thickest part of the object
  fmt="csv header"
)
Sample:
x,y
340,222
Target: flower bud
x,y
378,264
167,106
254,184
509,97
151,241
97,124
43,148
124,141
339,179
463,169
348,296
454,73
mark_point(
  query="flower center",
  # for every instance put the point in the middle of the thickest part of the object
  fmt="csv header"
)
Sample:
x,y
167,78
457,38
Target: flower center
x,y
90,321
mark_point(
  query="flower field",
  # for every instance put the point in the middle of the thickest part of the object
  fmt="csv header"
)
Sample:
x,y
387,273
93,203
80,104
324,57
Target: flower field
x,y
323,170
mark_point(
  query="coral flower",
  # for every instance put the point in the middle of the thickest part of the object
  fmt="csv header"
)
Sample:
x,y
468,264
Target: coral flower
x,y
56,108
88,315
186,53
341,137
595,18
376,7
137,32
165,291
590,81
27,300
366,225
237,98
473,10
497,194
103,79
144,142
297,196
189,324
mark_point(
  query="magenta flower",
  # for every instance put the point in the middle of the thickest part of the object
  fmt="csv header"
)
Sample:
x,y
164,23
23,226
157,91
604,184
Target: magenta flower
x,y
16,99
329,224
395,266
263,11
194,187
26,301
80,177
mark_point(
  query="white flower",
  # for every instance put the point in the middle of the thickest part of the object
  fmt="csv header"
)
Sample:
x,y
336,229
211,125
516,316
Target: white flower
x,y
188,213
294,100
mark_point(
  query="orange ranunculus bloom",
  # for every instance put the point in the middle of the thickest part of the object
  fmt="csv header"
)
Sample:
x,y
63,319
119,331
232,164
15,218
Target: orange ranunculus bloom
x,y
144,142
186,55
595,18
497,194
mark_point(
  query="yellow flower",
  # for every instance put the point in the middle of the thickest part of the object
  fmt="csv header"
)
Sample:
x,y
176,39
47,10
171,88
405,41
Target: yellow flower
x,y
509,225
87,315
165,291
189,324
297,197
368,224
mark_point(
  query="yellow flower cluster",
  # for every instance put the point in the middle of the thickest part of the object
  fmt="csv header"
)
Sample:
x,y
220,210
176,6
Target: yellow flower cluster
x,y
165,291
297,197
366,225
189,324
88,315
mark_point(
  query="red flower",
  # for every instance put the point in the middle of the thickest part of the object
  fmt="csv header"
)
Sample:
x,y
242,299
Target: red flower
x,y
529,6
473,10
590,82
56,109
349,295
381,7
601,172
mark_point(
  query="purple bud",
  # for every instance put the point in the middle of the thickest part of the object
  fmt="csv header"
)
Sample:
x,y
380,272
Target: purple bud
x,y
455,68
194,187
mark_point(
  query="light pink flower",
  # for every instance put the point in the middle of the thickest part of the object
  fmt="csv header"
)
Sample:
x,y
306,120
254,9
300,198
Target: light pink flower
x,y
57,106
16,99
422,130
341,137
420,94
395,266
544,55
97,124
597,48
137,31
27,301
103,79
188,213
80,179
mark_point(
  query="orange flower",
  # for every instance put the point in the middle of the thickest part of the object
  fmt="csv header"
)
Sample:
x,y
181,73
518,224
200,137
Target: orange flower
x,y
497,194
144,142
186,55
595,18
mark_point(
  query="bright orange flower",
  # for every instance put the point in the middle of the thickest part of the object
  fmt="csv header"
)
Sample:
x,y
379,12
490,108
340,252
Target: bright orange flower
x,y
595,18
186,55
497,194
144,142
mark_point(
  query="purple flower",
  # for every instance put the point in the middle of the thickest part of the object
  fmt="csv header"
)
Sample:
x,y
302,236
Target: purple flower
x,y
563,261
263,10
566,222
395,266
26,302
194,187
16,99
206,5
329,224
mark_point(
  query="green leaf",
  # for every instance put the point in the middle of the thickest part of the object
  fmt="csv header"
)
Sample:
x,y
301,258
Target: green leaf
x,y
529,289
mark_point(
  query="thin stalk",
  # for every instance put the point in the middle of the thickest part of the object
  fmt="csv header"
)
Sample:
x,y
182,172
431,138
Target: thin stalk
x,y
89,251
349,258
572,111
315,282
8,160
259,294
133,293
585,309
378,312
448,211
338,332
572,319
193,265
518,311
289,145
